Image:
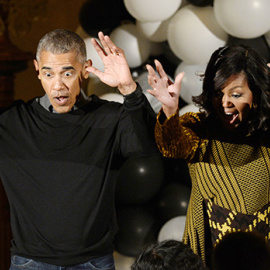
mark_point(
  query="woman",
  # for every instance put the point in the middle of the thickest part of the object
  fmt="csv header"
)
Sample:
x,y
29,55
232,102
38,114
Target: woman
x,y
226,145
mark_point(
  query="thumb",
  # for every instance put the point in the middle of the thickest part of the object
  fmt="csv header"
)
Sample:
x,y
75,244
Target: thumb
x,y
178,80
94,71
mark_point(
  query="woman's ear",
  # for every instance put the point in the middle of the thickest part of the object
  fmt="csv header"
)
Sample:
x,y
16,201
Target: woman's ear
x,y
88,63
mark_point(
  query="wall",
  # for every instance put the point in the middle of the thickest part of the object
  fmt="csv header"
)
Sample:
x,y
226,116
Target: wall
x,y
59,14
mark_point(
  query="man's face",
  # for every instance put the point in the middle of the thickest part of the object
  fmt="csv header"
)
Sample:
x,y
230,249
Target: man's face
x,y
61,76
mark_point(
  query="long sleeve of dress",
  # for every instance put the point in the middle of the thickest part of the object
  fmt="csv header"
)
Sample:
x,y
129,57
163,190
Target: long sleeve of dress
x,y
176,137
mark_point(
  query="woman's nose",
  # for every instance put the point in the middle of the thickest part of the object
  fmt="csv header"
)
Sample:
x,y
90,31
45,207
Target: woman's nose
x,y
226,101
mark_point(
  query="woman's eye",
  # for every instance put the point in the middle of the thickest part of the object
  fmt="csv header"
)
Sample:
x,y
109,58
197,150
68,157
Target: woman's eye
x,y
236,95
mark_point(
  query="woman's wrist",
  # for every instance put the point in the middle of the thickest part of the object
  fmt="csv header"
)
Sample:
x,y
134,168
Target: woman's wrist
x,y
169,111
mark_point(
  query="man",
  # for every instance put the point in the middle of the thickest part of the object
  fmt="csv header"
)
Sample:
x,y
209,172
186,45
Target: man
x,y
60,155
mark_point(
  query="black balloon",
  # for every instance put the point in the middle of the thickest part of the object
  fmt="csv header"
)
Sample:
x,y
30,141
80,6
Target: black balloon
x,y
139,180
201,3
259,44
173,201
102,15
137,228
176,170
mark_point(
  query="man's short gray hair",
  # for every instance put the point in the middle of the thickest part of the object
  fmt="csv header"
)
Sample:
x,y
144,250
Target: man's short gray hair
x,y
62,41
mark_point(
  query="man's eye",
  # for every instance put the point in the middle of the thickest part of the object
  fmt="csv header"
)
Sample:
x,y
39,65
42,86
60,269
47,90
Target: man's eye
x,y
48,74
68,74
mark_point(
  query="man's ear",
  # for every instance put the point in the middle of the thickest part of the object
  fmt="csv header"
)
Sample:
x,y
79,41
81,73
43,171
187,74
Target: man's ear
x,y
88,63
36,67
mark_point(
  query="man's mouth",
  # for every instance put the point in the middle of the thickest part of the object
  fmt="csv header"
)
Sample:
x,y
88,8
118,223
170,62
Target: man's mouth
x,y
61,100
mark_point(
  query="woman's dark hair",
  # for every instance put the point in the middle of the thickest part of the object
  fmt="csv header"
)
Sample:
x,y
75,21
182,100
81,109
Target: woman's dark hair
x,y
168,255
234,60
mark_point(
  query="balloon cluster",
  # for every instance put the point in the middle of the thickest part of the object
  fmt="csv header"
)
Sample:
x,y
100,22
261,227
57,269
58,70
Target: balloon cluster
x,y
182,34
153,193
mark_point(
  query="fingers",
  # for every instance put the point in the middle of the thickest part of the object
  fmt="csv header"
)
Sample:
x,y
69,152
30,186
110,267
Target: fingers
x,y
104,44
108,45
162,72
152,76
150,69
268,64
160,69
98,48
105,47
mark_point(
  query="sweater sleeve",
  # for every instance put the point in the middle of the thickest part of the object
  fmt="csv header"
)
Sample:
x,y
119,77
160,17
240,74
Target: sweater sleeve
x,y
5,112
176,137
136,127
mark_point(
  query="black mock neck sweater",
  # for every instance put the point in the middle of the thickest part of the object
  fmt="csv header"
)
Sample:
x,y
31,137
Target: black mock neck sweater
x,y
59,173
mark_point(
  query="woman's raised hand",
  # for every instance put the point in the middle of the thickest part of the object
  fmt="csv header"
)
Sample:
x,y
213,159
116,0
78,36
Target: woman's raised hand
x,y
164,89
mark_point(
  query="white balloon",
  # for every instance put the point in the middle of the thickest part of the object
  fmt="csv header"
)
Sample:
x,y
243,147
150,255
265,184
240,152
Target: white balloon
x,y
173,229
194,34
93,55
191,83
154,31
188,108
112,97
152,10
136,46
243,18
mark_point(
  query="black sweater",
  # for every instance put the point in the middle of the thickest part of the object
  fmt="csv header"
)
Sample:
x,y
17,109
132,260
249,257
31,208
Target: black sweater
x,y
59,173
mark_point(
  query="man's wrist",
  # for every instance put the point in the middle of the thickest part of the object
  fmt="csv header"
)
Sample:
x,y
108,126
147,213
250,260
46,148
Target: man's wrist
x,y
137,93
127,89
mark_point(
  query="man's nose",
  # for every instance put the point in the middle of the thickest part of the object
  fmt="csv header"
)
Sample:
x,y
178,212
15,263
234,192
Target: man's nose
x,y
58,84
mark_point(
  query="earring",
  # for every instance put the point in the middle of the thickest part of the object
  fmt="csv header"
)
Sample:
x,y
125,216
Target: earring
x,y
254,106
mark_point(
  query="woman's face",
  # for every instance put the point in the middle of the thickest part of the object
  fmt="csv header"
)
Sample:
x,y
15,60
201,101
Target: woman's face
x,y
234,102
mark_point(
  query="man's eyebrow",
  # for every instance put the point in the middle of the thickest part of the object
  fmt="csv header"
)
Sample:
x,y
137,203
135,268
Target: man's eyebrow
x,y
46,67
63,68
68,67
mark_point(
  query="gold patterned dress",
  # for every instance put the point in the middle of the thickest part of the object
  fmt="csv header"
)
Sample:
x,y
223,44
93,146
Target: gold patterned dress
x,y
230,172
